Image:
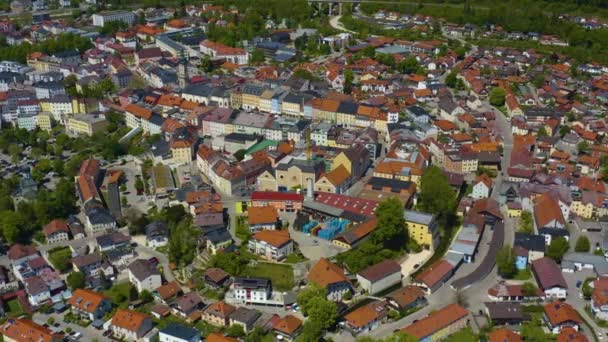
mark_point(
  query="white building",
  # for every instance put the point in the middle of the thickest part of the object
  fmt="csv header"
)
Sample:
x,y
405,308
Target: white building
x,y
144,276
380,276
271,244
252,290
101,18
178,333
230,54
482,187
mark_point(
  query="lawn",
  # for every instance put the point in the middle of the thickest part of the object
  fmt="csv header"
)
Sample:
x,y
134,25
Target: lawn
x,y
119,294
464,335
281,275
522,275
14,308
60,258
295,258
242,228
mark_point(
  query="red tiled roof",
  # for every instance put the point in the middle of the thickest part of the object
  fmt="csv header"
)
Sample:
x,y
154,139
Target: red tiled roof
x,y
276,196
436,321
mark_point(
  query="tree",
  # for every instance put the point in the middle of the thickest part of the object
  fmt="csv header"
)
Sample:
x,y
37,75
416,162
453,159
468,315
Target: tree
x,y
323,311
183,240
408,65
436,195
451,79
75,280
391,232
528,289
305,297
257,57
139,184
526,223
542,132
348,81
240,154
583,147
505,261
497,97
60,258
558,247
563,130
206,65
582,244
146,296
235,330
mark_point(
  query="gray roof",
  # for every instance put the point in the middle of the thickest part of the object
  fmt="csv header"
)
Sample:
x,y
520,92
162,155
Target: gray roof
x,y
181,332
141,269
418,217
245,316
599,262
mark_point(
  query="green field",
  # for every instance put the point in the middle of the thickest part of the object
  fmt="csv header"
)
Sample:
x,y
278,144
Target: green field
x,y
281,275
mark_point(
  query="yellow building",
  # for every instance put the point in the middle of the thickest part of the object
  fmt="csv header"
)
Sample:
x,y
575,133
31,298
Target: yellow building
x,y
422,228
582,209
44,121
236,99
45,106
266,101
87,124
266,181
325,110
514,209
297,173
182,151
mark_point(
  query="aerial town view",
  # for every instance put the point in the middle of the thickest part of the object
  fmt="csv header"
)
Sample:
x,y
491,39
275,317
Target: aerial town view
x,y
303,170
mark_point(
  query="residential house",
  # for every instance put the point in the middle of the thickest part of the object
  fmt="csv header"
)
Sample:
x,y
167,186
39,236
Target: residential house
x,y
599,298
179,333
506,313
244,317
89,264
168,292
330,277
21,329
336,181
559,315
271,244
504,335
89,304
379,277
130,325
144,276
187,305
406,298
216,278
288,327
422,228
355,159
157,234
482,187
282,201
252,290
549,278
528,247
55,231
547,212
262,218
366,318
218,314
434,276
439,324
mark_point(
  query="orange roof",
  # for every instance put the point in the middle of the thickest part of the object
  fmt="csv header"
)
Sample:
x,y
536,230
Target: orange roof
x,y
288,324
55,226
220,309
128,319
181,144
86,300
546,209
217,337
416,78
568,334
261,215
327,105
276,238
485,179
168,290
504,335
169,100
364,315
338,175
139,111
114,176
176,23
26,330
436,321
324,273
445,125
170,125
285,148
189,105
423,92
560,312
434,273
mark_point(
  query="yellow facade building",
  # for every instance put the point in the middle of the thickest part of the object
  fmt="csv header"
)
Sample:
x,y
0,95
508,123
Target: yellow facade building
x,y
422,228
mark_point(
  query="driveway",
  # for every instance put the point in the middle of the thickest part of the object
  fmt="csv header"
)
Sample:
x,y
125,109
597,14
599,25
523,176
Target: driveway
x,y
88,334
407,266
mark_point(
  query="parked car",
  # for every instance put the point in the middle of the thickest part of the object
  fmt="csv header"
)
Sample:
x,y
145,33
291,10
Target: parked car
x,y
579,283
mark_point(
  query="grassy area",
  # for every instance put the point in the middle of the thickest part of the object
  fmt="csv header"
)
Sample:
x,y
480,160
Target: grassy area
x,y
295,258
60,258
119,294
464,335
280,274
14,308
522,275
242,228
